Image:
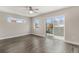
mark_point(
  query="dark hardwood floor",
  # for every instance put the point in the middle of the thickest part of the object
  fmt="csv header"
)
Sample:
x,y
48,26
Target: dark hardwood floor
x,y
35,44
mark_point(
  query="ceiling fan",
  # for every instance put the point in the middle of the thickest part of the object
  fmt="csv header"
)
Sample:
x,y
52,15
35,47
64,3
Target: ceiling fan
x,y
31,10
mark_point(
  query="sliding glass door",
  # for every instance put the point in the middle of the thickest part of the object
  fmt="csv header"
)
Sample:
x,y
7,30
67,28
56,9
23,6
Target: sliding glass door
x,y
49,25
55,27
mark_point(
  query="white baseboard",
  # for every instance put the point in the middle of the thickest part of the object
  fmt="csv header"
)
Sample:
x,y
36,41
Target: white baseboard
x,y
74,43
12,36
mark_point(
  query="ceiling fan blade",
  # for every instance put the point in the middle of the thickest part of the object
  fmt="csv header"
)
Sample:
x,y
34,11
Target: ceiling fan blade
x,y
29,8
35,11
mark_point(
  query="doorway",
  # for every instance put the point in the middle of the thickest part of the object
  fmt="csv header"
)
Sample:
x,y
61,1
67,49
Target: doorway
x,y
55,27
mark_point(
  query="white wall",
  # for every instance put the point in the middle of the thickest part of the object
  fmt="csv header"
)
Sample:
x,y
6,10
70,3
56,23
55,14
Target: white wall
x,y
71,23
9,30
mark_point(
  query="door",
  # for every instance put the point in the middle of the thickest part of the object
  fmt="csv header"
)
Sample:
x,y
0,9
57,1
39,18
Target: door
x,y
55,27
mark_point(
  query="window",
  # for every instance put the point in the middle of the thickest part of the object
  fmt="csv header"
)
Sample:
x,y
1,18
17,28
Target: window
x,y
36,25
11,19
55,26
59,21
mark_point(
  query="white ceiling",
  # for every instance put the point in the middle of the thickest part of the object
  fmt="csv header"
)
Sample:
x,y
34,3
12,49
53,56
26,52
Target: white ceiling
x,y
22,10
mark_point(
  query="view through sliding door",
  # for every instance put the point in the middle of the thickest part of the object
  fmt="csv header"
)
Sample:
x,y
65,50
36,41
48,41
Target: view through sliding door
x,y
49,26
55,27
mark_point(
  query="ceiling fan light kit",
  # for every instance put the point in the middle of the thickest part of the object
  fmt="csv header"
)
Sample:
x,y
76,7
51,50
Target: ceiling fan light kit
x,y
31,10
